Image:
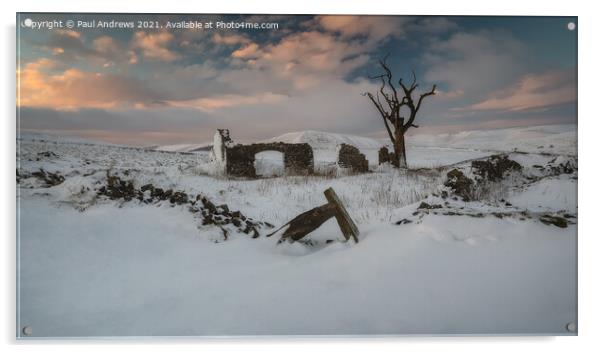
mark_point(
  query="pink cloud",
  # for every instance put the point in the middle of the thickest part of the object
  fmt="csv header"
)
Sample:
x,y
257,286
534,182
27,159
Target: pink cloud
x,y
154,45
228,100
304,58
533,91
106,45
375,28
40,85
68,33
249,51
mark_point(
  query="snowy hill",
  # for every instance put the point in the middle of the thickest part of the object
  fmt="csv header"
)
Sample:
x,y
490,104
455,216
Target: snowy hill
x,y
545,138
327,140
185,147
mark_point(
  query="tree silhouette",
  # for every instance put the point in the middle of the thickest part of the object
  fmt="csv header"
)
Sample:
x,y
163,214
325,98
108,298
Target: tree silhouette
x,y
391,109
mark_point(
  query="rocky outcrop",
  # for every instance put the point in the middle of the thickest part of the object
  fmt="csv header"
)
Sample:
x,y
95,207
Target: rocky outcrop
x,y
494,168
460,184
48,179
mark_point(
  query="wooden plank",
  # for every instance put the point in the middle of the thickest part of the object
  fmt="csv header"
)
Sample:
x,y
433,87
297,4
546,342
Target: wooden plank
x,y
307,222
345,222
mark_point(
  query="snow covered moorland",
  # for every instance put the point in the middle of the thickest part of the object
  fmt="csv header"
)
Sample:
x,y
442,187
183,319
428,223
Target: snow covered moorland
x,y
478,237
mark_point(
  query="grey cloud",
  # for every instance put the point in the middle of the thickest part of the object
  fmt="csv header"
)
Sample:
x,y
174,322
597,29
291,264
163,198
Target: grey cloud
x,y
476,62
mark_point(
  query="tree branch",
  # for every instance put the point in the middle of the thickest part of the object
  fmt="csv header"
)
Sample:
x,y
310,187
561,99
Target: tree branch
x,y
422,96
382,113
414,109
389,76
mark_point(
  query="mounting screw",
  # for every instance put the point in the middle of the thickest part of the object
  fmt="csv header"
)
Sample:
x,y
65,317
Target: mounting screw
x,y
571,327
571,26
27,331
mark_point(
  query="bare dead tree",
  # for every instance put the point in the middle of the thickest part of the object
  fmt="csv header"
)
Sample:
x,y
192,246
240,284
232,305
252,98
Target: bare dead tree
x,y
393,106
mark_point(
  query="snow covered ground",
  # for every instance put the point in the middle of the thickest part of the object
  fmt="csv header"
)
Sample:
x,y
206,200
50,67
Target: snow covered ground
x,y
90,266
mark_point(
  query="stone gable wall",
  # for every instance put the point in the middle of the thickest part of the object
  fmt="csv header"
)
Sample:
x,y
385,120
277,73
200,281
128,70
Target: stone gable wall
x,y
351,158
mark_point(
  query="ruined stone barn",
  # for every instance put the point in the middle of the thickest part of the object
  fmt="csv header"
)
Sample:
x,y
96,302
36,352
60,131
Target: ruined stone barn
x,y
238,160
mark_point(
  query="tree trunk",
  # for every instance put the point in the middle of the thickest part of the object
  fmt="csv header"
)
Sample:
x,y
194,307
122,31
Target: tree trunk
x,y
402,152
399,147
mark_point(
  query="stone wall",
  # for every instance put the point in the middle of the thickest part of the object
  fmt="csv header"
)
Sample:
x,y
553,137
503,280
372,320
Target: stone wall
x,y
350,157
298,158
385,156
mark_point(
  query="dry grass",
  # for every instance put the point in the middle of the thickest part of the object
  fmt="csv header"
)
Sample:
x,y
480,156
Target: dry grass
x,y
368,197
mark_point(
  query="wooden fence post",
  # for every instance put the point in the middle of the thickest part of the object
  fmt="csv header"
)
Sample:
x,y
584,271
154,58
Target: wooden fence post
x,y
345,222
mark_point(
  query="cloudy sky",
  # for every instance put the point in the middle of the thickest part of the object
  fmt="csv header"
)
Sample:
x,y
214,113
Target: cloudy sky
x,y
146,87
